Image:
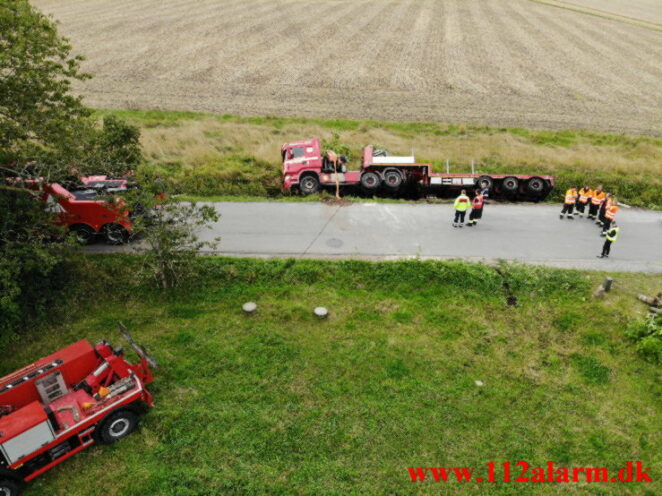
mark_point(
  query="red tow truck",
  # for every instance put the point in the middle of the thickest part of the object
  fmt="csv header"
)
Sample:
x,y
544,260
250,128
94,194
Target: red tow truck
x,y
305,168
66,402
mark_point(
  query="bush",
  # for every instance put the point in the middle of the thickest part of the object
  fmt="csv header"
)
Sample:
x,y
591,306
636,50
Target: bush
x,y
648,335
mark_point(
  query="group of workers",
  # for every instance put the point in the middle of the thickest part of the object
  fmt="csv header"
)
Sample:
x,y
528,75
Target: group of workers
x,y
463,203
602,208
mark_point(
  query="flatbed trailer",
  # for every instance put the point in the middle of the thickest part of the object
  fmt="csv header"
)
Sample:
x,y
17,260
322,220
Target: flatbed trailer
x,y
306,169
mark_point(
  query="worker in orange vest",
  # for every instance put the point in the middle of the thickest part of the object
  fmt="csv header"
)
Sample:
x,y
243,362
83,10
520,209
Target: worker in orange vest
x,y
476,209
610,215
597,198
609,198
584,197
569,202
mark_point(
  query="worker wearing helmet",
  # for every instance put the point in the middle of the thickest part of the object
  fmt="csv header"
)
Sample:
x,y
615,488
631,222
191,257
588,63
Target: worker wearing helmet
x,y
612,236
476,208
461,205
597,198
584,197
610,215
569,202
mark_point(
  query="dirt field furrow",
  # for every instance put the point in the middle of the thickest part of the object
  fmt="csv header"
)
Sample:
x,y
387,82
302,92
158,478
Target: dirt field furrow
x,y
495,62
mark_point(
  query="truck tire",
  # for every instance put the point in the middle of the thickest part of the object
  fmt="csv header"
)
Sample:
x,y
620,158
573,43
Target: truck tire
x,y
116,426
536,186
393,179
309,184
510,184
9,487
85,235
485,182
370,181
115,234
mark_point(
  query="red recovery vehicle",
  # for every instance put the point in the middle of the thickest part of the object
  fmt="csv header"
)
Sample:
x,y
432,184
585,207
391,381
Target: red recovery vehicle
x,y
306,168
66,402
87,213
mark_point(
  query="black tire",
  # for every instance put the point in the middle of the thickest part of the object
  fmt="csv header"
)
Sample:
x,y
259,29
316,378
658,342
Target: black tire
x,y
9,487
536,186
485,182
370,181
115,234
85,235
393,179
510,184
116,426
309,184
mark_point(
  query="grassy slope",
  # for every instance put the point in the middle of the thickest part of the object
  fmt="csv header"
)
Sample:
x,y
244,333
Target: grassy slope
x,y
280,403
206,154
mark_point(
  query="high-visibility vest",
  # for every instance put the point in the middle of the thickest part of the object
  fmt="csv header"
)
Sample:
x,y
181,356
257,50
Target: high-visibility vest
x,y
462,203
612,234
598,198
477,202
611,212
584,195
570,196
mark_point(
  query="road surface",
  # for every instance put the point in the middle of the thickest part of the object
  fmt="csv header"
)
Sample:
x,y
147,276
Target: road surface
x,y
531,234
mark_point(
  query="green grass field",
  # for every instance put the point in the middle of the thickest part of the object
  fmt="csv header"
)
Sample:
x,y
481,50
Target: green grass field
x,y
282,403
226,155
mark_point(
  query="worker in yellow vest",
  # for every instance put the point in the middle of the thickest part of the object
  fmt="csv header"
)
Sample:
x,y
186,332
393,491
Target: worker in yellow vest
x,y
584,197
612,236
597,198
569,202
461,205
610,215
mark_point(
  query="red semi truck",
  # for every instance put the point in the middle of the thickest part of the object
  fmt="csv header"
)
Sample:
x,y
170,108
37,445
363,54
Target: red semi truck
x,y
306,169
66,402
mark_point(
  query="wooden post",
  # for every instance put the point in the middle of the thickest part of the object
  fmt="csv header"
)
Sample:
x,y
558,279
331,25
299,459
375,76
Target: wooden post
x,y
249,307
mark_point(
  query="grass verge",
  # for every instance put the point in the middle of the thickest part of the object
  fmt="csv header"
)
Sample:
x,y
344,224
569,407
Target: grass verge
x,y
227,155
282,403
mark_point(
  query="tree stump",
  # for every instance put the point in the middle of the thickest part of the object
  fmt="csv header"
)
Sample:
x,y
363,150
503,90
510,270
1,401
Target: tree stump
x,y
249,308
321,312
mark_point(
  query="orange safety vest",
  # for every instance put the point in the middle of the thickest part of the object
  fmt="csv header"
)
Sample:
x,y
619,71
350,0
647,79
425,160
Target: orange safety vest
x,y
570,197
584,195
598,198
611,212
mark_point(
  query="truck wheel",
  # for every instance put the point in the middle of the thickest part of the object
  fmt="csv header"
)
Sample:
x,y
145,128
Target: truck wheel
x,y
370,181
115,234
9,488
535,186
485,182
85,235
510,184
393,179
309,185
116,426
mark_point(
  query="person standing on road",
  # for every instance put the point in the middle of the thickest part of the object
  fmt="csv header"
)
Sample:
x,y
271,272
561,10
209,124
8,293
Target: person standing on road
x,y
584,197
597,198
569,202
461,205
612,236
476,209
603,209
610,215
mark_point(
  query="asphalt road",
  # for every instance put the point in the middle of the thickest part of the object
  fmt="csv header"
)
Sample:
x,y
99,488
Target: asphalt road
x,y
528,233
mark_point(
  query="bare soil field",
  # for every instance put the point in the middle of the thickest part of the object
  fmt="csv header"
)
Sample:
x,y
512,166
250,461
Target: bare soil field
x,y
642,10
494,62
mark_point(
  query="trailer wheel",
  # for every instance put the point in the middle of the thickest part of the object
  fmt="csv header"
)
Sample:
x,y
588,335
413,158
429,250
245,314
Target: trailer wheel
x,y
116,426
393,179
9,488
115,234
85,235
510,184
535,186
485,182
370,181
309,184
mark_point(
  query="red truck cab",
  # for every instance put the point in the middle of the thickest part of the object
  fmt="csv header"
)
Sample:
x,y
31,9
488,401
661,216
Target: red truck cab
x,y
64,403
